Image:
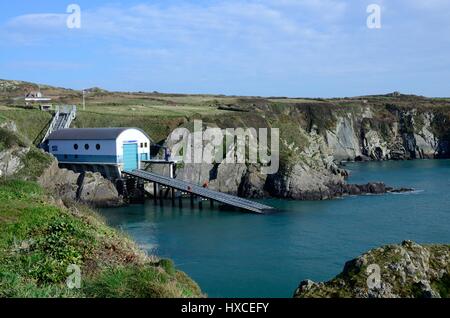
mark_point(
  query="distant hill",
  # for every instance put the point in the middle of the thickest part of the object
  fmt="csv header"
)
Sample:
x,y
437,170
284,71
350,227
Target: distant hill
x,y
16,88
21,87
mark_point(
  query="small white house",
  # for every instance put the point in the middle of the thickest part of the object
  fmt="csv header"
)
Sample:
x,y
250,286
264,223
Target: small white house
x,y
121,147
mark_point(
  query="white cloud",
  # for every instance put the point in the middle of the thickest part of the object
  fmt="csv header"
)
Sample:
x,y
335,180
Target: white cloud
x,y
323,10
429,4
47,65
38,21
252,21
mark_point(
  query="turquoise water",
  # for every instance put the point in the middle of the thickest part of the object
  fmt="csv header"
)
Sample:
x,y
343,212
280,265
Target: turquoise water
x,y
234,254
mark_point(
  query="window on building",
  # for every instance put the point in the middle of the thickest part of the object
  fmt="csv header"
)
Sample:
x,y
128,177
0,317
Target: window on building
x,y
75,146
86,146
98,147
146,145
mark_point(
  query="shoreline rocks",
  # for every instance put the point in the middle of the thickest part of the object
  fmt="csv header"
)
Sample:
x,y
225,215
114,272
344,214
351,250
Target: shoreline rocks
x,y
88,188
408,270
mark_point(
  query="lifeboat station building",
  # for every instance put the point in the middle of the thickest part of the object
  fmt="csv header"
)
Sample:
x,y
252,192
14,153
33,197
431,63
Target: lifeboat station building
x,y
109,151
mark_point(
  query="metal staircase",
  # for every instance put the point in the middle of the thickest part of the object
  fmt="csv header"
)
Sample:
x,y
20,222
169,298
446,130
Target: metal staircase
x,y
62,119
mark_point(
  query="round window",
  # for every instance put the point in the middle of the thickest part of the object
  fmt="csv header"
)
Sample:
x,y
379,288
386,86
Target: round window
x,y
75,146
86,146
98,146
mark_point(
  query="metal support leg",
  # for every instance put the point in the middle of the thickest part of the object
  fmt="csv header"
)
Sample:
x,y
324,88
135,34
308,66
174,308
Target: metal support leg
x,y
180,200
173,196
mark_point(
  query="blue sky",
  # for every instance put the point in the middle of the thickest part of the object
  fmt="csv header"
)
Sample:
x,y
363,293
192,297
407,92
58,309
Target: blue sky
x,y
311,48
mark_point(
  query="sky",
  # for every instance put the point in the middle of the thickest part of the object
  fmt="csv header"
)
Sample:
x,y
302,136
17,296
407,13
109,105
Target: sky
x,y
295,48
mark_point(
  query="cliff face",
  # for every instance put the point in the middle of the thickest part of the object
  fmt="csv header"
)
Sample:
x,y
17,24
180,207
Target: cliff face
x,y
408,134
408,270
316,137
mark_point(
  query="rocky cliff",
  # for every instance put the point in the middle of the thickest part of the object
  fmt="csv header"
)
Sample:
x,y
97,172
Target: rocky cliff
x,y
408,270
315,137
401,134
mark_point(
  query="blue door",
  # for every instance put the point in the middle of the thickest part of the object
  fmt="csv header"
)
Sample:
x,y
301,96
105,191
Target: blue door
x,y
130,157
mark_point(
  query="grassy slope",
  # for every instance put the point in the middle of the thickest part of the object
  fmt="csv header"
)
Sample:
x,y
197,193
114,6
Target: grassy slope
x,y
38,240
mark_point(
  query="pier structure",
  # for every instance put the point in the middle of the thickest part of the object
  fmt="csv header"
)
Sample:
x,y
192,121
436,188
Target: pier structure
x,y
163,185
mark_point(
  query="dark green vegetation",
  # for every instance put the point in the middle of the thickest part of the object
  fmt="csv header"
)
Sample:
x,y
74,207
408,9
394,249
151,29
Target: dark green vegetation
x,y
443,286
40,239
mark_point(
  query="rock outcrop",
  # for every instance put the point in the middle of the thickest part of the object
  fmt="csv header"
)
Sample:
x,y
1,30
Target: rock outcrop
x,y
61,183
11,160
343,140
98,191
88,188
408,270
12,150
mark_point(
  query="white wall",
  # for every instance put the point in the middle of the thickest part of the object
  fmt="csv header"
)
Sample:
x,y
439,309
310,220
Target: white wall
x,y
133,136
108,147
65,147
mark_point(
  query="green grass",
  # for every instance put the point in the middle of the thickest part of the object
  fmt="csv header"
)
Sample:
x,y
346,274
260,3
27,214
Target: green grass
x,y
443,286
39,240
157,128
140,282
29,122
36,161
9,139
27,227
